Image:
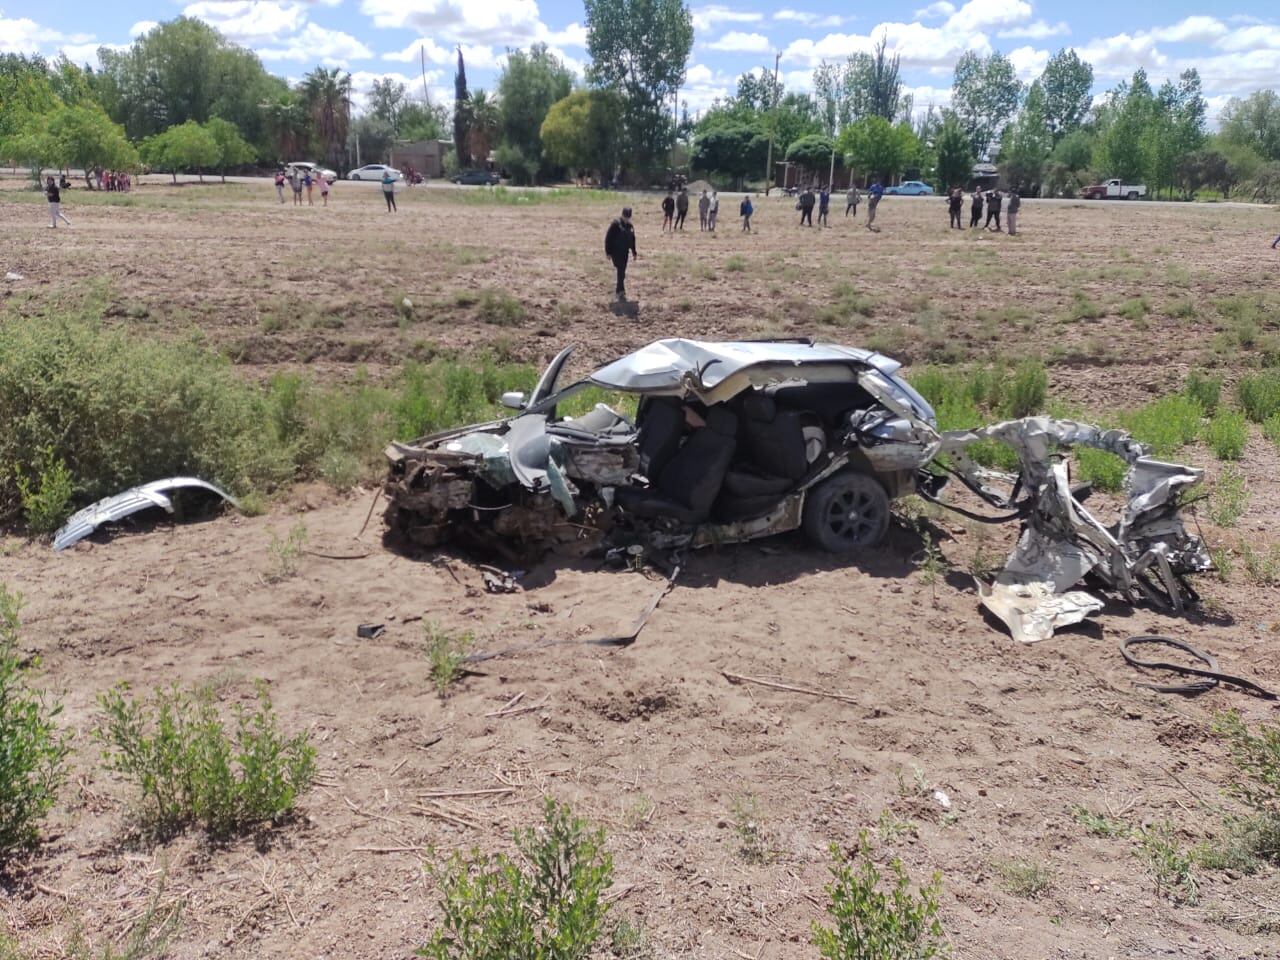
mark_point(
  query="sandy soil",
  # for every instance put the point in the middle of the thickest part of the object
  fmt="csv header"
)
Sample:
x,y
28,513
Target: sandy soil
x,y
652,740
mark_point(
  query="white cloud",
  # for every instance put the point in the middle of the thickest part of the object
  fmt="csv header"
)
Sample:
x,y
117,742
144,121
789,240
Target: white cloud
x,y
739,42
984,15
917,45
317,43
26,36
703,86
705,18
141,27
480,56
1191,30
935,11
1259,37
574,35
506,22
1122,54
1039,30
924,96
250,22
810,19
1028,62
1236,74
87,53
439,84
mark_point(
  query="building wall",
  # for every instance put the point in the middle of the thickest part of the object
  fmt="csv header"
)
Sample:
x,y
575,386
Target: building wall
x,y
425,156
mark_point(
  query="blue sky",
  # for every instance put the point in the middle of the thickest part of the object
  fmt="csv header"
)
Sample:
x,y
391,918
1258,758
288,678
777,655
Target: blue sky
x,y
1236,47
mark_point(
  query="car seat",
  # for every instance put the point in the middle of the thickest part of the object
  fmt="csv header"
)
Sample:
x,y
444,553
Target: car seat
x,y
688,485
661,426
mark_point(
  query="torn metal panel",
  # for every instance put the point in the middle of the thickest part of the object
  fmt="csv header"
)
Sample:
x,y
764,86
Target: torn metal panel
x,y
125,504
1145,555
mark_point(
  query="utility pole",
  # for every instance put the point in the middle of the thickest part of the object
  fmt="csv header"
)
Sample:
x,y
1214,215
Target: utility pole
x,y
773,126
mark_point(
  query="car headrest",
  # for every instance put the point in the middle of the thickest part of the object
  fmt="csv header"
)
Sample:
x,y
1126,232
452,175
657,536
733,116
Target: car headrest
x,y
722,421
757,406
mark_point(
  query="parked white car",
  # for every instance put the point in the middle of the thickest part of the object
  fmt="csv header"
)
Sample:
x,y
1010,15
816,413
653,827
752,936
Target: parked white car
x,y
373,171
307,166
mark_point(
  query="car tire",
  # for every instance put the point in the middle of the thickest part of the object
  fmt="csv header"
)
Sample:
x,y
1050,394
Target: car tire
x,y
845,513
1133,194
354,176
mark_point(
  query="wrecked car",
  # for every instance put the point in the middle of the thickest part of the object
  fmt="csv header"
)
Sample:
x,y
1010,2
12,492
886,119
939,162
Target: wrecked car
x,y
729,441
1146,554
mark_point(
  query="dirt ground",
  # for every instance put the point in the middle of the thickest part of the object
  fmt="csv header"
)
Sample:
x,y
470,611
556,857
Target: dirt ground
x,y
652,741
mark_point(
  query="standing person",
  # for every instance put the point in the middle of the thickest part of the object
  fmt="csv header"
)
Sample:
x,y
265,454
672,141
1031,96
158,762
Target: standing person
x,y
324,189
389,190
975,209
1273,244
713,211
704,210
307,182
619,242
1015,204
54,196
824,205
806,206
955,204
994,200
295,182
745,211
874,193
682,208
668,211
851,201
280,184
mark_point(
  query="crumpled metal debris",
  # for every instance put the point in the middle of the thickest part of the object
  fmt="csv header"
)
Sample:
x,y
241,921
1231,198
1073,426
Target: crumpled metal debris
x,y
1146,554
125,504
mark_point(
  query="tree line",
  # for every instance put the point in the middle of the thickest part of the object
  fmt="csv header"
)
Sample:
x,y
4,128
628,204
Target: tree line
x,y
184,98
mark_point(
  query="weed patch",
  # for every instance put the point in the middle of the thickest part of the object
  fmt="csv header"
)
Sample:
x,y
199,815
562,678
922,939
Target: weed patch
x,y
1229,498
1082,308
284,552
1025,878
847,305
1100,825
874,917
191,768
1170,865
499,308
1166,425
1260,395
1135,308
46,497
1226,434
1104,470
1256,754
547,904
445,654
32,751
1204,389
753,841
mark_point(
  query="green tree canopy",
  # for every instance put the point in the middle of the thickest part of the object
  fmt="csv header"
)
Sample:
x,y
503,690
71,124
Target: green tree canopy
x,y
582,131
813,152
1067,82
953,157
735,150
25,93
1026,143
86,138
1254,122
183,148
878,148
530,83
326,92
984,95
641,49
233,149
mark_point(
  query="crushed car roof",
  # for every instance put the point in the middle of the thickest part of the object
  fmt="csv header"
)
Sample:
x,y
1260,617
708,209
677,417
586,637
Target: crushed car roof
x,y
675,364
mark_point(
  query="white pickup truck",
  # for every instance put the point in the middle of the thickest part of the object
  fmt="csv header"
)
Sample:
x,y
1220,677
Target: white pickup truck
x,y
1114,190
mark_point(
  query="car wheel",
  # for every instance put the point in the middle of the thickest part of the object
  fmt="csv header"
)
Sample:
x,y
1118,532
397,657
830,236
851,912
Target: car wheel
x,y
355,176
846,512
1133,194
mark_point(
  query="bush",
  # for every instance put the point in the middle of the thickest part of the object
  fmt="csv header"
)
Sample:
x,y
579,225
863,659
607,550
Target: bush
x,y
118,412
875,924
1204,390
32,752
1170,865
1229,498
190,769
446,654
1271,428
847,305
547,905
500,308
1226,434
1027,391
46,500
1260,395
1104,470
1256,754
1166,425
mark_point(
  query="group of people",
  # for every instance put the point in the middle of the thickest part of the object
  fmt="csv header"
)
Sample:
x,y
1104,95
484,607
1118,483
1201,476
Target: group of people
x,y
675,208
113,181
822,200
300,180
992,201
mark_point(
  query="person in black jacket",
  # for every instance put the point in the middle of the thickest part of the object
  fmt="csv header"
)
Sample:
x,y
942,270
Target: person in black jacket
x,y
668,211
805,206
619,242
955,204
994,200
975,211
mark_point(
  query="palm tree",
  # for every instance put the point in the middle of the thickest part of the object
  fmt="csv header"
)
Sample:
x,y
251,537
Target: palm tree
x,y
286,119
327,94
484,118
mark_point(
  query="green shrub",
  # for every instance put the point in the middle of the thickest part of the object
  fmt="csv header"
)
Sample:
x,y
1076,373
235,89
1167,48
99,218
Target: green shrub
x,y
191,769
735,264
32,751
1100,825
1026,878
1229,498
1260,395
1104,470
1135,308
871,923
1256,755
1082,308
446,653
499,308
546,905
1206,390
1027,391
1170,865
1166,425
753,839
847,305
118,411
1271,428
1226,434
46,499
